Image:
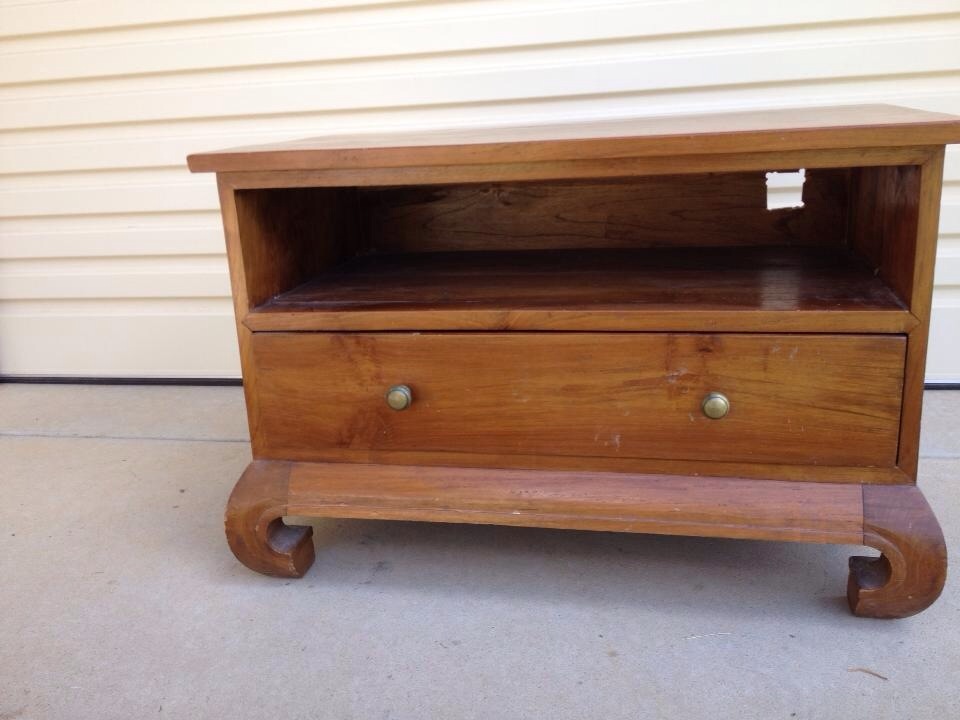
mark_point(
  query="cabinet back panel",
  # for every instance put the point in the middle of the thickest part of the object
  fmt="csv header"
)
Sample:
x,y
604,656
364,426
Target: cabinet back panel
x,y
713,209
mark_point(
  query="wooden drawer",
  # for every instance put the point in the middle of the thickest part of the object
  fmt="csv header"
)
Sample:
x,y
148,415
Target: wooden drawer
x,y
794,399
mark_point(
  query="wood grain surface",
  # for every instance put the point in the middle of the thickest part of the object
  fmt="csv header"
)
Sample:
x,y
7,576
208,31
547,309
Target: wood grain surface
x,y
696,210
254,523
912,569
288,236
590,501
854,126
796,399
923,243
731,289
646,249
855,474
560,170
905,579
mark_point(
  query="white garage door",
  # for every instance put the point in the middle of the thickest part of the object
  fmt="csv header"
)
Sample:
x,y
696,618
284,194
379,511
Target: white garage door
x,y
111,253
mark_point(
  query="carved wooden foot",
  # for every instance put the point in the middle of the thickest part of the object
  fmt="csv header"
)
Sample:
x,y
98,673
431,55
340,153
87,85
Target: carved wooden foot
x,y
255,529
895,519
910,573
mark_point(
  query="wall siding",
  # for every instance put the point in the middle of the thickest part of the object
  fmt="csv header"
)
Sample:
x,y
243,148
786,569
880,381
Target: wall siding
x,y
111,253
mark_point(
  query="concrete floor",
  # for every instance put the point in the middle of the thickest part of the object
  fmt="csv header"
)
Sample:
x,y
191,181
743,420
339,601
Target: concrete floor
x,y
120,599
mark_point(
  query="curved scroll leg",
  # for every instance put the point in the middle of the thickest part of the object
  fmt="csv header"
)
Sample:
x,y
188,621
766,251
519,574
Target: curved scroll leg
x,y
255,529
910,573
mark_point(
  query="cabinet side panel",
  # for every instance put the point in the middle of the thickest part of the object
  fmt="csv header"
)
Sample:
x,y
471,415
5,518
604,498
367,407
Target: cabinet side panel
x,y
238,285
288,235
921,286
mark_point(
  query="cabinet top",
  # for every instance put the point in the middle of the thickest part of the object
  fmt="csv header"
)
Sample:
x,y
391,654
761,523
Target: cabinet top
x,y
850,126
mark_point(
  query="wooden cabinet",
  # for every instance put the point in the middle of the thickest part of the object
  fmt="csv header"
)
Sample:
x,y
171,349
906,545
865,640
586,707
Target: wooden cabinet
x,y
595,326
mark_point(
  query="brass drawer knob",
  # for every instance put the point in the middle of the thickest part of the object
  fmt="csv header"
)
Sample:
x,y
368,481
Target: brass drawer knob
x,y
399,397
715,405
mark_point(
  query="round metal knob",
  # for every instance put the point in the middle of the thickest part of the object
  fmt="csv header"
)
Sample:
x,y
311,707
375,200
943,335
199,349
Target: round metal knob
x,y
715,405
399,397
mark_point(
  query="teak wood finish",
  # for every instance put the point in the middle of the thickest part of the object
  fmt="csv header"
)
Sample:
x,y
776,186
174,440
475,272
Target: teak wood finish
x,y
629,395
749,289
559,301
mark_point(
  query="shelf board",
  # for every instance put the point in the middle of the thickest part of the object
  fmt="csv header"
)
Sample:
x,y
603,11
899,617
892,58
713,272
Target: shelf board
x,y
743,289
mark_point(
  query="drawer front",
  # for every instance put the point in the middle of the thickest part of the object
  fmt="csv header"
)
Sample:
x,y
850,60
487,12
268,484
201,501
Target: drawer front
x,y
793,399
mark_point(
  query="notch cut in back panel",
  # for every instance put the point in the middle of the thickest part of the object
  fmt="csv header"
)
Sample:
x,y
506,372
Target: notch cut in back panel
x,y
785,189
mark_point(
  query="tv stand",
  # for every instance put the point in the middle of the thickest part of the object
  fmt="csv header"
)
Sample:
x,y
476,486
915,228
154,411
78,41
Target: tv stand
x,y
597,327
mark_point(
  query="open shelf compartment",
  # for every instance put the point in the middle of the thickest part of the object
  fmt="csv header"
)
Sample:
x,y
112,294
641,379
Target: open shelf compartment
x,y
686,252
